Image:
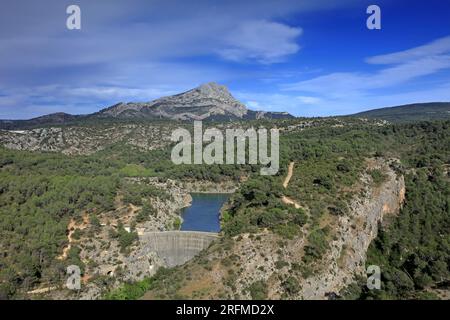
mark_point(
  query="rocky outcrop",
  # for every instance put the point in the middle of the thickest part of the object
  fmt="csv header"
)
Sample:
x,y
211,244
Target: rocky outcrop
x,y
85,140
168,210
354,233
200,103
103,255
210,101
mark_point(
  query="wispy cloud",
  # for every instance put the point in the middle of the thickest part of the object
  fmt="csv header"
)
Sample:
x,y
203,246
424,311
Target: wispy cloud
x,y
138,50
294,104
261,41
398,68
132,50
406,65
434,48
344,83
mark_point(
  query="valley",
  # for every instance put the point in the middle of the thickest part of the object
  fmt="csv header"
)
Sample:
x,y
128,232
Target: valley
x,y
226,158
104,195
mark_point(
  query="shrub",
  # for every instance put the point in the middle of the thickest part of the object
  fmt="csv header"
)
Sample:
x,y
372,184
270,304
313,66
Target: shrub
x,y
291,285
177,223
317,245
258,290
288,231
378,177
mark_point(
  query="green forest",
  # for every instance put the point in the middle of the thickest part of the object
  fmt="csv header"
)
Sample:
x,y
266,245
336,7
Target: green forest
x,y
41,192
331,159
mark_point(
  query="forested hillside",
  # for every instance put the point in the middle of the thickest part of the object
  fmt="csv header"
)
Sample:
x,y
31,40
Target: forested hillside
x,y
412,250
411,112
41,192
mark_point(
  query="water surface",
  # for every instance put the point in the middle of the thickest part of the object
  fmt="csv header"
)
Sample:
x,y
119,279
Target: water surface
x,y
203,214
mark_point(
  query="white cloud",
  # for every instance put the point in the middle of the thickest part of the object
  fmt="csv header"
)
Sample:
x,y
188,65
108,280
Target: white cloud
x,y
350,92
408,65
366,101
262,41
437,47
328,106
137,50
308,100
254,105
294,104
118,93
345,83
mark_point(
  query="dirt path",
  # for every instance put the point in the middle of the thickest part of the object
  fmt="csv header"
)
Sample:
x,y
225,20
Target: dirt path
x,y
289,175
285,199
72,226
42,290
288,200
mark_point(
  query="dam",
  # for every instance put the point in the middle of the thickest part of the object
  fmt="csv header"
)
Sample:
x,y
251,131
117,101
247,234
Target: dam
x,y
201,224
176,247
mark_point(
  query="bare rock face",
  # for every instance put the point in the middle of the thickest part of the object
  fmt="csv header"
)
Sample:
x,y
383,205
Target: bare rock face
x,y
355,232
205,101
210,101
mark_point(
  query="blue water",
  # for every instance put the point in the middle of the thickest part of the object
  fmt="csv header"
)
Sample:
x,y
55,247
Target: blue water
x,y
203,214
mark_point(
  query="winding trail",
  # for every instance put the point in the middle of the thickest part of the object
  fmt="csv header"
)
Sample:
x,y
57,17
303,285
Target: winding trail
x,y
288,200
285,199
72,227
42,290
289,175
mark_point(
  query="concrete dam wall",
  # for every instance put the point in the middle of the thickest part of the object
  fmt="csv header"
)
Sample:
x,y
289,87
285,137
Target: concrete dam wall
x,y
176,247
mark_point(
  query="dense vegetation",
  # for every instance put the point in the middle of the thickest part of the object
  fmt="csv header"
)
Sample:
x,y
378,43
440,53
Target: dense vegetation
x,y
38,196
329,161
413,252
41,192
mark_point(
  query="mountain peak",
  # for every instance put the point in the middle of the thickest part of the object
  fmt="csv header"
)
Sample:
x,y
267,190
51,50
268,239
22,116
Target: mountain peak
x,y
215,91
212,87
210,101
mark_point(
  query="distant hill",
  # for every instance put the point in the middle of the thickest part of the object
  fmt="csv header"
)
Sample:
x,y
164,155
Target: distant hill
x,y
410,112
209,101
54,119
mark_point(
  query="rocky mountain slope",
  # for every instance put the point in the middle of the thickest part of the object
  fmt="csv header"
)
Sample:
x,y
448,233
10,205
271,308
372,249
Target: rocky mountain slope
x,y
209,101
84,140
200,103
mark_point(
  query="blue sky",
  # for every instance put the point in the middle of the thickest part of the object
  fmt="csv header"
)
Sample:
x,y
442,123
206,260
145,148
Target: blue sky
x,y
310,58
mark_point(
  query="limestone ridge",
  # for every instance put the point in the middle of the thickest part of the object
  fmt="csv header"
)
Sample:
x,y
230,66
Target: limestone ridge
x,y
209,101
205,101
